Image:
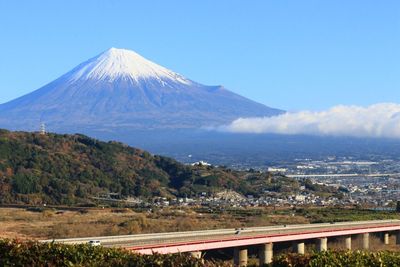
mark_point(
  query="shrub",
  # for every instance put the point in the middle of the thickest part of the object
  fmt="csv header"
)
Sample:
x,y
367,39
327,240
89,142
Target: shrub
x,y
339,259
15,253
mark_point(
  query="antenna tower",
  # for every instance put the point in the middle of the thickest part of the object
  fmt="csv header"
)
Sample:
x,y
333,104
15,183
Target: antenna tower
x,y
42,129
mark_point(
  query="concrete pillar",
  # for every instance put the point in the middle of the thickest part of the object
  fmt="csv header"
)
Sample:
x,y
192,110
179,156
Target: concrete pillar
x,y
298,247
385,238
196,254
266,253
397,237
240,256
348,242
322,244
365,241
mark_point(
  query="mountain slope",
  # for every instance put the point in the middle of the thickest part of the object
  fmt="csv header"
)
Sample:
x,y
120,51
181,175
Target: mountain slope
x,y
66,169
120,90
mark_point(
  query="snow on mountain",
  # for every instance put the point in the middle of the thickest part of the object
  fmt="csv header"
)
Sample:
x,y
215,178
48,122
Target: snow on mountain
x,y
121,91
121,63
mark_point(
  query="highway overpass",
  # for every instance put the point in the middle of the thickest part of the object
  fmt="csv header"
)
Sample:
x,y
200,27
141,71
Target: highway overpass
x,y
197,242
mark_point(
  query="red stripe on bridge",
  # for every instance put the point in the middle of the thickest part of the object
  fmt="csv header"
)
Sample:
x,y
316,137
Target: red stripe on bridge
x,y
209,244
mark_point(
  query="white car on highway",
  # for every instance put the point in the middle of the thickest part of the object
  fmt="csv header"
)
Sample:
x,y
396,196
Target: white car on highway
x,y
94,243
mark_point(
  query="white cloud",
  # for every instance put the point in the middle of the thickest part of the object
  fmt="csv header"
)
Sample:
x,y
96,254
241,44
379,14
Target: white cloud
x,y
379,120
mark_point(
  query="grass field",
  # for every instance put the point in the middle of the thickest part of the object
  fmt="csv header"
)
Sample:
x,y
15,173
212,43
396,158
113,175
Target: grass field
x,y
54,223
24,224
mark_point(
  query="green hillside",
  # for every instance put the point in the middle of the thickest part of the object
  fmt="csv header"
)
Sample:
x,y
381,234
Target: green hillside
x,y
69,169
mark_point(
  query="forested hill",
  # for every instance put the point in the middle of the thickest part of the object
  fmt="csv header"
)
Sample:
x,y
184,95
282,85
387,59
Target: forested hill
x,y
69,169
66,169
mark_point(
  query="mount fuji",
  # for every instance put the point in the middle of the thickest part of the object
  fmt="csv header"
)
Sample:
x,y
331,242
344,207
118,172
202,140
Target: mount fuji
x,y
120,91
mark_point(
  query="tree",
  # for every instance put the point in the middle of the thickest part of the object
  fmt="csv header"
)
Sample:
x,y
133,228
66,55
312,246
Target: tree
x,y
26,184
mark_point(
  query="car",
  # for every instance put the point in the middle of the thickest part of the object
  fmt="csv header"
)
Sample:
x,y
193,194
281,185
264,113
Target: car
x,y
94,243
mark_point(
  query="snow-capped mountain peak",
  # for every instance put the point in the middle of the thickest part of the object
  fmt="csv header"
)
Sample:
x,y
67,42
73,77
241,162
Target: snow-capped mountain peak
x,y
115,64
120,91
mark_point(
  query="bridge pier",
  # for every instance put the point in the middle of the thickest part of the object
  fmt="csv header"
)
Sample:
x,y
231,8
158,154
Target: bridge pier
x,y
298,247
196,254
348,242
397,237
385,238
322,244
266,253
365,241
240,256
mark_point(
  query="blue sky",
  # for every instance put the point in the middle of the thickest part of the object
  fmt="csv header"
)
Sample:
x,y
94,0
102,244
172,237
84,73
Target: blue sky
x,y
292,55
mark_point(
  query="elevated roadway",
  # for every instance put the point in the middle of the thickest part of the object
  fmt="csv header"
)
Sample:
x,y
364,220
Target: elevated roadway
x,y
264,237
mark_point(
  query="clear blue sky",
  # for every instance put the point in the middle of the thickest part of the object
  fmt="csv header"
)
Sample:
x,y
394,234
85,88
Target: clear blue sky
x,y
292,55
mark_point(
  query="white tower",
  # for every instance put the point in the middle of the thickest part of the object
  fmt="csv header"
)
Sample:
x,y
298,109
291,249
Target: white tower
x,y
42,129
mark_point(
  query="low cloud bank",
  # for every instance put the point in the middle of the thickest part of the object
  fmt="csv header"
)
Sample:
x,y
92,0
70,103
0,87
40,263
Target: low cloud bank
x,y
379,120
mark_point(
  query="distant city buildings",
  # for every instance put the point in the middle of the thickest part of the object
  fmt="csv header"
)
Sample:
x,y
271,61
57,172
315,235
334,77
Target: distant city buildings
x,y
277,170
